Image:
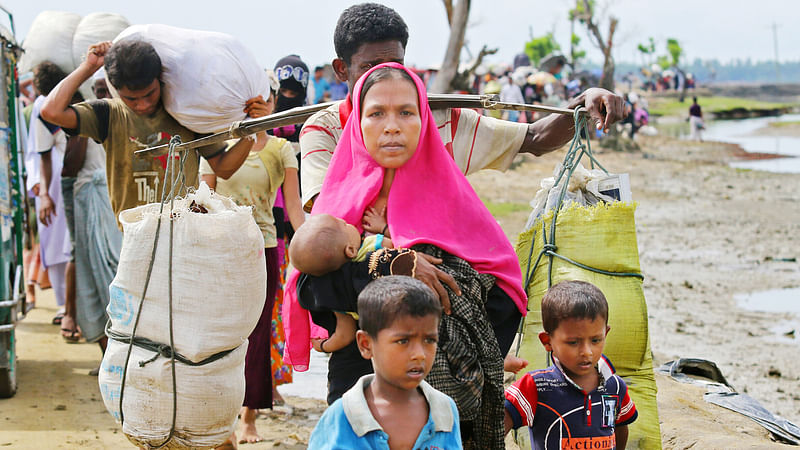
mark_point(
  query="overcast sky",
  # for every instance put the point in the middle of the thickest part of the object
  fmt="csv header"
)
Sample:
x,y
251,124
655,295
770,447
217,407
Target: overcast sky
x,y
722,29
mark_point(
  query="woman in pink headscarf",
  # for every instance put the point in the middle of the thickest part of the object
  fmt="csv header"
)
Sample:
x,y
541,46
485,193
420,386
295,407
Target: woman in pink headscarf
x,y
391,159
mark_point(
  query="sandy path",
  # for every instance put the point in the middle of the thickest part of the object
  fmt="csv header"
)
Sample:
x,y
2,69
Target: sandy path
x,y
57,405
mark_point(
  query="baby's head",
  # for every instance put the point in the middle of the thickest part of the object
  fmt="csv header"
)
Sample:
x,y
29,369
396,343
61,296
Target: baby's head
x,y
399,321
323,244
575,320
390,116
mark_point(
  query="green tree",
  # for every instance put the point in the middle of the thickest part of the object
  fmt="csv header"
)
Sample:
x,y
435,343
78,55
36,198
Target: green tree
x,y
675,50
647,51
576,53
538,48
664,62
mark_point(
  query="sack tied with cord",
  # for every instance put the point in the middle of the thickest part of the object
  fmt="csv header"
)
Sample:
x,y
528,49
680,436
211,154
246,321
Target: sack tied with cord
x,y
580,230
210,253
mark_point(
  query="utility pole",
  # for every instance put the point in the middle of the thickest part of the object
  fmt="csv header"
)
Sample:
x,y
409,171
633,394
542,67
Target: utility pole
x,y
775,42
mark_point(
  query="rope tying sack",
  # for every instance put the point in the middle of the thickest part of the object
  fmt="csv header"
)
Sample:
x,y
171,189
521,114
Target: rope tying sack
x,y
177,186
579,148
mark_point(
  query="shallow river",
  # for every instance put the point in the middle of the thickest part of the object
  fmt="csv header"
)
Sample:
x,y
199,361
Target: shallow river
x,y
741,132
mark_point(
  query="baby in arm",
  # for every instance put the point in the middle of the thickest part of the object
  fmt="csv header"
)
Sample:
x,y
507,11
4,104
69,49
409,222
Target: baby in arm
x,y
325,243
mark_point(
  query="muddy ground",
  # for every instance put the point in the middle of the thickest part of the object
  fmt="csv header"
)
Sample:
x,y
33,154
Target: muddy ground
x,y
706,234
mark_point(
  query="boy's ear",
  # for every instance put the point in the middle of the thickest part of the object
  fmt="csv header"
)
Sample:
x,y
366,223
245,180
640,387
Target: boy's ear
x,y
544,337
364,342
608,328
350,252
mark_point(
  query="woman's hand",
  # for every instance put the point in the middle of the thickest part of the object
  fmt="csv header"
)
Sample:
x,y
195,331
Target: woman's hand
x,y
428,273
374,221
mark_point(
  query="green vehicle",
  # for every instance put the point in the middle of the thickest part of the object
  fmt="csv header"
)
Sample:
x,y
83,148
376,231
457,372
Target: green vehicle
x,y
13,306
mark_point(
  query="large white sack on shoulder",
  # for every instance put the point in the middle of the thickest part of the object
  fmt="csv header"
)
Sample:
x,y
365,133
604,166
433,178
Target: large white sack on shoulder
x,y
207,76
94,28
209,396
219,277
50,39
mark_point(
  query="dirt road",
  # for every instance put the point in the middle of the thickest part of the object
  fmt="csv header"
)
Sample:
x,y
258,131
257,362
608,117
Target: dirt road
x,y
58,405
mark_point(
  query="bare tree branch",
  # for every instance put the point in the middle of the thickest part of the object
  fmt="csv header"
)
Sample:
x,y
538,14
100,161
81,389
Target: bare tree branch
x,y
449,69
485,51
448,6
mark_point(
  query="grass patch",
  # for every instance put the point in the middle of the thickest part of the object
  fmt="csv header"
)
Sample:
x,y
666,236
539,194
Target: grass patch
x,y
506,208
790,123
672,107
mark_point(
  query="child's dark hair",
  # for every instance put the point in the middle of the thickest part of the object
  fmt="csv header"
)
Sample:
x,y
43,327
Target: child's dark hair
x,y
572,300
384,73
366,23
390,297
46,75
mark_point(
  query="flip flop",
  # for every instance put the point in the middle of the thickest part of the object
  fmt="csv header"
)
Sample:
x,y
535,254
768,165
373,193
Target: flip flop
x,y
57,318
71,336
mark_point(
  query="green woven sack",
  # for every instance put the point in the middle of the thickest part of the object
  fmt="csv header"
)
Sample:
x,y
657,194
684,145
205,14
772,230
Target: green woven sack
x,y
600,237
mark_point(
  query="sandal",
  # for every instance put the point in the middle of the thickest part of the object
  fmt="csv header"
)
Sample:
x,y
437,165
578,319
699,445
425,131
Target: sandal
x,y
71,336
57,319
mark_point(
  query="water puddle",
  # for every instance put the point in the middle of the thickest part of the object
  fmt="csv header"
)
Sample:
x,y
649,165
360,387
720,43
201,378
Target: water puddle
x,y
774,300
743,133
777,301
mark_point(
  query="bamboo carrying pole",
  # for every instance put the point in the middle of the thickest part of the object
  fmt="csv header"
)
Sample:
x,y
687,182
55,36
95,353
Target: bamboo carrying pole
x,y
301,114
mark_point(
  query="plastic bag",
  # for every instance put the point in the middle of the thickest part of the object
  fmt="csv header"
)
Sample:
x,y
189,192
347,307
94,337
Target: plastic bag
x,y
207,76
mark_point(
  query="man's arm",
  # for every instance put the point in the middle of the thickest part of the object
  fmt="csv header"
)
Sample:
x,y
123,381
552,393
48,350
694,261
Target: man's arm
x,y
555,130
56,108
46,206
226,163
74,156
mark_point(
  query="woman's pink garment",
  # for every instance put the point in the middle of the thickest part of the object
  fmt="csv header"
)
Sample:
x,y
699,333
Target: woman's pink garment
x,y
430,201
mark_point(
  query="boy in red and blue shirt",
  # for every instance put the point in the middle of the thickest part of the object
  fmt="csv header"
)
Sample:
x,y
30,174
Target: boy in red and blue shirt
x,y
578,402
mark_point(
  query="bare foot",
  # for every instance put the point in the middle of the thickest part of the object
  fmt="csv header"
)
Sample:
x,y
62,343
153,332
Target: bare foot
x,y
248,427
514,364
277,399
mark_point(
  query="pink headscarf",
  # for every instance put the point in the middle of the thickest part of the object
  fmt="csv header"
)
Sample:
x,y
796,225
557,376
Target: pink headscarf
x,y
430,201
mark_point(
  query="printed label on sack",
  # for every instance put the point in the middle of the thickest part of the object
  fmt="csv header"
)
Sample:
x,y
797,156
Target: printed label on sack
x,y
120,306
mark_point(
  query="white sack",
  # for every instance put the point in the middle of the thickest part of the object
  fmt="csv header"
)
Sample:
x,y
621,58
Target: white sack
x,y
94,28
219,276
50,39
207,76
209,396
